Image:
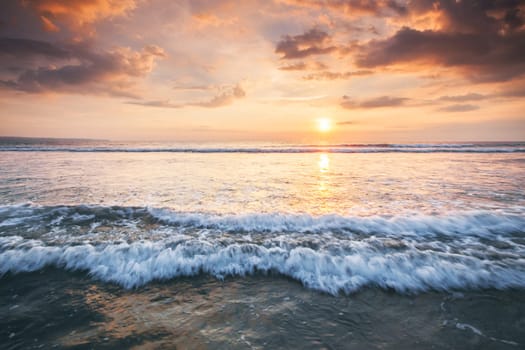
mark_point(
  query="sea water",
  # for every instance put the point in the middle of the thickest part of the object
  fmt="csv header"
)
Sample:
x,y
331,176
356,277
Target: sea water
x,y
227,245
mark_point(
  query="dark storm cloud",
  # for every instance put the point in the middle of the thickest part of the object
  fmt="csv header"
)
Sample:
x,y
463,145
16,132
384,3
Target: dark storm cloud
x,y
312,42
377,102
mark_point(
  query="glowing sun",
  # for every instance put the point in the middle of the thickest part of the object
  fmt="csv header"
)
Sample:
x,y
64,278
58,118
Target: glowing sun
x,y
324,124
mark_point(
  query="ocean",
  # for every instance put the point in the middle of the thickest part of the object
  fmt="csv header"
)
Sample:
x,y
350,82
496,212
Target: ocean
x,y
253,246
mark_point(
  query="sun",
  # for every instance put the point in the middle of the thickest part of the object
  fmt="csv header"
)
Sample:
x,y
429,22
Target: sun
x,y
324,124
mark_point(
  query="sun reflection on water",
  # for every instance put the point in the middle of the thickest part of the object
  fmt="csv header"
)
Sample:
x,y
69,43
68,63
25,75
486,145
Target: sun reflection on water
x,y
323,184
324,163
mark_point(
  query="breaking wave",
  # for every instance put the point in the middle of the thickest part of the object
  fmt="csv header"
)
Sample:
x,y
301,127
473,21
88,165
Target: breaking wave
x,y
134,246
472,223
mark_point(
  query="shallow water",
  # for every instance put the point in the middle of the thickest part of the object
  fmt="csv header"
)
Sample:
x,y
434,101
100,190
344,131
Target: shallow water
x,y
371,246
52,308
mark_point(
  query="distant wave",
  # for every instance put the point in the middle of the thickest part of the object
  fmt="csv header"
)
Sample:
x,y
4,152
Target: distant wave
x,y
332,253
417,145
340,148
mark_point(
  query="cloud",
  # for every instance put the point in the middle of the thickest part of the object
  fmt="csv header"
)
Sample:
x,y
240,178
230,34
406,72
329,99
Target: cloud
x,y
294,66
226,96
463,98
472,16
327,75
193,87
204,20
303,66
22,48
346,122
389,101
49,26
517,89
76,13
312,42
459,108
354,7
75,68
483,40
156,103
409,45
377,102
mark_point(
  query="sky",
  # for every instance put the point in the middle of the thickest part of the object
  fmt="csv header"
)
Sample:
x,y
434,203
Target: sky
x,y
263,70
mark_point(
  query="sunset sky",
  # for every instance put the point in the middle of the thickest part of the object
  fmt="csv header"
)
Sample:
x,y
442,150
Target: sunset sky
x,y
380,71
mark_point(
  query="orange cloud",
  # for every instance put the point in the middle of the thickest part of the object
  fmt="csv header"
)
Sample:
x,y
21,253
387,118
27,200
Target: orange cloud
x,y
49,26
211,20
78,12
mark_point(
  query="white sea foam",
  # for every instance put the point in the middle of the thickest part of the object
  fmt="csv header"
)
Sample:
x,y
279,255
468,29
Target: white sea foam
x,y
135,264
477,223
466,326
469,223
332,253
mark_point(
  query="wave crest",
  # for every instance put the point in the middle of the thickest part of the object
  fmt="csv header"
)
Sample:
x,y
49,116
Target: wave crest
x,y
133,265
133,246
